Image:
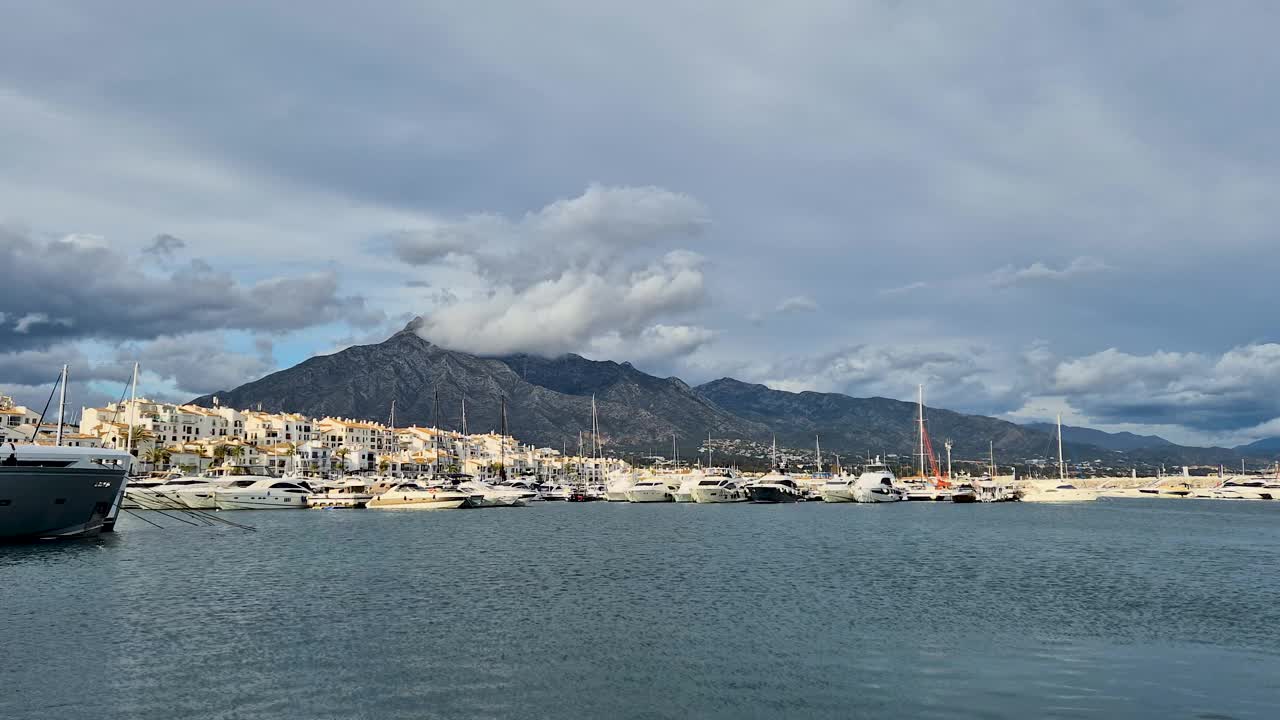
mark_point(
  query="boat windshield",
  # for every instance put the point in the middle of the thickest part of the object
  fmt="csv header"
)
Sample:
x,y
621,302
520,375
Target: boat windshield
x,y
709,482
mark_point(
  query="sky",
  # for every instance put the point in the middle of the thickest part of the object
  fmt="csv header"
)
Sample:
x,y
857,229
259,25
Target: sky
x,y
1031,208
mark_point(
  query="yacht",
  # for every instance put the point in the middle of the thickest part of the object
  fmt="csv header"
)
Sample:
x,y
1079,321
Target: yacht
x,y
684,493
877,484
139,491
1248,488
265,494
496,495
197,492
412,496
58,492
1056,492
619,482
554,491
776,487
351,492
718,490
838,489
658,488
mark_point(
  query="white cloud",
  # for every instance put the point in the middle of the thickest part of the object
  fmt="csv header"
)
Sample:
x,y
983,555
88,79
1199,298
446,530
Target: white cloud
x,y
797,304
1009,276
577,274
904,289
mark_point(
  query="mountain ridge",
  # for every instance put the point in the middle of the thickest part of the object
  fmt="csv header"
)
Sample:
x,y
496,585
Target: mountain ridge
x,y
549,403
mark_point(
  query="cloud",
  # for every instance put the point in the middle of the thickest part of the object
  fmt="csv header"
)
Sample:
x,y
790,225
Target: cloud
x,y
164,246
1233,391
796,304
655,343
904,289
199,363
578,273
1009,276
101,294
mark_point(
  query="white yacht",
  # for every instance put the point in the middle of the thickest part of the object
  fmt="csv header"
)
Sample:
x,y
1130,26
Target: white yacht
x,y
412,496
718,490
139,491
555,491
266,494
1056,491
197,491
838,489
619,482
877,484
496,495
350,492
684,493
658,488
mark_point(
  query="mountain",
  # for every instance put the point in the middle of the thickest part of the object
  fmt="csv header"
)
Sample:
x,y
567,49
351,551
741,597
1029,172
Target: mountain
x,y
1260,448
549,403
880,425
549,408
1121,441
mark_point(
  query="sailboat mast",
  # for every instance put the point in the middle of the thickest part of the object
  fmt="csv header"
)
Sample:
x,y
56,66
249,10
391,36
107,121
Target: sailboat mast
x,y
675,451
62,404
773,455
920,390
817,448
708,450
1062,466
133,409
502,444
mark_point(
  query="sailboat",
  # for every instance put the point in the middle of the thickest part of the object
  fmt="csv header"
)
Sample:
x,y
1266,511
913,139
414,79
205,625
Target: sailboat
x,y
925,487
1060,490
584,492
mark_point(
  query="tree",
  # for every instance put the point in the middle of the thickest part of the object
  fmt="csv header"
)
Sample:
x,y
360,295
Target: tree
x,y
220,454
157,456
235,451
140,435
384,466
342,453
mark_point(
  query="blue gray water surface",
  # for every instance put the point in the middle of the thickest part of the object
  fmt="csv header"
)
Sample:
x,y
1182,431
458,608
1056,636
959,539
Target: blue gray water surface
x,y
1119,608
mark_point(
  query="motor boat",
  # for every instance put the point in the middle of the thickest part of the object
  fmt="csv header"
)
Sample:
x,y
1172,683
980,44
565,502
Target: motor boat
x,y
776,487
49,492
196,492
412,496
349,492
267,494
619,482
684,493
528,490
927,492
838,489
495,495
139,491
877,484
555,491
657,488
718,490
1248,488
1056,492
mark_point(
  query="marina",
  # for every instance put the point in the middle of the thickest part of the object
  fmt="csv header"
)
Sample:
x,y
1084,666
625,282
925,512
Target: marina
x,y
914,610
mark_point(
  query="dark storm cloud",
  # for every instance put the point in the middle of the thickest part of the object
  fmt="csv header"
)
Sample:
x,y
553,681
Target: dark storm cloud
x,y
930,177
64,289
164,246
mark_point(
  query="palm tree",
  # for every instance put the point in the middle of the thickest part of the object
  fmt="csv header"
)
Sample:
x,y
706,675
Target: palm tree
x,y
342,453
141,435
157,456
220,454
383,466
235,451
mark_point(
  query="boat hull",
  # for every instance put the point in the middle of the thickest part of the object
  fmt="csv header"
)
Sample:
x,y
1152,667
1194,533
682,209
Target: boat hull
x,y
649,495
47,503
417,501
765,494
718,495
259,501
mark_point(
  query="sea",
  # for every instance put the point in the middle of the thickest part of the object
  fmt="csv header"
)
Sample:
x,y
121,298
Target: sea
x,y
1120,608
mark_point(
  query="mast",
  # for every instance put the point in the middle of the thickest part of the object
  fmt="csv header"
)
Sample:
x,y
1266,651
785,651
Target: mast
x,y
991,450
708,449
62,404
773,456
466,439
595,440
675,452
133,409
502,445
1061,465
947,445
817,448
920,389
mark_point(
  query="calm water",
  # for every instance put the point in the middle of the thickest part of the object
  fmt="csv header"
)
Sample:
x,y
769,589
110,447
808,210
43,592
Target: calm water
x,y
1121,608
